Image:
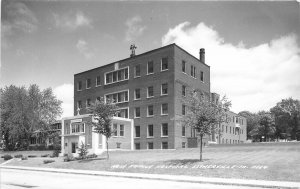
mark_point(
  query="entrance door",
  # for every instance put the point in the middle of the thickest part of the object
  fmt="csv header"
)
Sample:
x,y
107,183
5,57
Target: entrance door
x,y
73,147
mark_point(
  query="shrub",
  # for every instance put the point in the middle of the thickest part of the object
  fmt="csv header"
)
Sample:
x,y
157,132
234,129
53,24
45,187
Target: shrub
x,y
32,156
18,156
24,158
7,157
83,151
48,161
91,156
45,155
69,158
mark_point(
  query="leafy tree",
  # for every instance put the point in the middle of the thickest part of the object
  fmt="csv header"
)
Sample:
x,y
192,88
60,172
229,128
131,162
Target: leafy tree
x,y
204,115
252,121
287,117
83,151
265,126
102,112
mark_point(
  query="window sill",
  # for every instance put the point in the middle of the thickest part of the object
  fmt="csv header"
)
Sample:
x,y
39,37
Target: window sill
x,y
97,85
79,90
150,73
164,70
164,114
137,99
137,117
150,116
150,97
163,94
136,77
89,88
164,136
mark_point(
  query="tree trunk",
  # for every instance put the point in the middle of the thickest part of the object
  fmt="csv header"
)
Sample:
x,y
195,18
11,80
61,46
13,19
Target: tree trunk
x,y
107,148
201,136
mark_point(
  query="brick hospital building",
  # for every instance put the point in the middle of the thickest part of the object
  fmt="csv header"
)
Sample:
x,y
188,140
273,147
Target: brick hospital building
x,y
149,89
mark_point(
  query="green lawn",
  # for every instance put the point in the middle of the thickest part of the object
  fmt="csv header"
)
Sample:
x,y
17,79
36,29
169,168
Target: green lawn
x,y
267,161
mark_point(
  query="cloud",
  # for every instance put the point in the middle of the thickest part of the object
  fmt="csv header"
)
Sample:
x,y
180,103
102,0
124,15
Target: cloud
x,y
65,93
71,21
82,47
134,28
253,78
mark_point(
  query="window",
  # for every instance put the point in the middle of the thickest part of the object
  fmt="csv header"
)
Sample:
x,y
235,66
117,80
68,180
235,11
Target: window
x,y
226,129
79,104
137,131
118,145
150,111
150,145
183,109
183,66
115,130
164,145
183,90
79,86
88,83
77,128
150,69
164,129
183,144
202,76
123,113
230,130
150,92
98,81
150,131
193,71
164,109
137,94
137,146
88,102
122,130
118,97
116,76
164,64
137,71
137,112
164,89
183,131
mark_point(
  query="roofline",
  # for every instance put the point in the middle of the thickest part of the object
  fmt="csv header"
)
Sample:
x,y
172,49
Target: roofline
x,y
151,51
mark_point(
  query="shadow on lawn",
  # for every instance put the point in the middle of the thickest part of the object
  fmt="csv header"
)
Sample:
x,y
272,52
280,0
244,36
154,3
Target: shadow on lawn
x,y
89,160
185,161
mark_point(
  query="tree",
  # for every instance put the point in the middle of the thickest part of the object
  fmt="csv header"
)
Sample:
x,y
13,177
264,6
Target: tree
x,y
287,117
102,112
25,111
265,127
252,121
204,115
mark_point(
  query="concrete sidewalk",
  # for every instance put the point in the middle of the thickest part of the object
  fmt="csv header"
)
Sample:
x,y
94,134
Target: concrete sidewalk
x,y
175,178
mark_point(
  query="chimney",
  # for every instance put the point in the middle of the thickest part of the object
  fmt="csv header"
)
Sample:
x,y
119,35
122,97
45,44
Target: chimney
x,y
202,55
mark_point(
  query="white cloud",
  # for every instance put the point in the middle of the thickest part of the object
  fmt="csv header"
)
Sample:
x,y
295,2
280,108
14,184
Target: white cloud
x,y
253,78
65,93
71,21
82,47
134,28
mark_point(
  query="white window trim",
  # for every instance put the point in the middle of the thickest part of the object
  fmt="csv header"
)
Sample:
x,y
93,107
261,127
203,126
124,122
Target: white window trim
x,y
161,94
203,77
184,66
135,95
162,131
161,109
148,111
135,112
124,109
184,90
115,136
148,92
77,132
148,131
119,125
86,84
184,131
97,80
148,145
147,68
161,70
116,93
134,71
127,67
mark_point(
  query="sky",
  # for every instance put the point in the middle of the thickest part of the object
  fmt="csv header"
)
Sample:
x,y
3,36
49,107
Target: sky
x,y
252,48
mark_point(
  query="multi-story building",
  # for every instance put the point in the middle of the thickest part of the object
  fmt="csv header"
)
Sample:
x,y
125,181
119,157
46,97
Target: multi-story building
x,y
149,88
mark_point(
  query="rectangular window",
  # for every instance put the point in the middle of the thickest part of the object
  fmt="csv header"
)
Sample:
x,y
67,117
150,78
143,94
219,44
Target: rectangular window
x,y
116,76
164,64
150,92
88,83
115,130
183,144
79,104
226,129
137,94
164,130
230,130
150,131
193,71
122,130
150,69
202,76
88,102
137,112
164,109
79,86
137,146
137,131
98,81
137,71
164,89
123,113
183,131
77,128
183,66
164,145
119,97
150,111
183,109
183,90
150,145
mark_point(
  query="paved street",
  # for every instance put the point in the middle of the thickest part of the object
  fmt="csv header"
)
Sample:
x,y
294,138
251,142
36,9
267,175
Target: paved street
x,y
17,179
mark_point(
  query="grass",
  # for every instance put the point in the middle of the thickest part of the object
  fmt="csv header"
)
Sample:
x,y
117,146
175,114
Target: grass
x,y
266,161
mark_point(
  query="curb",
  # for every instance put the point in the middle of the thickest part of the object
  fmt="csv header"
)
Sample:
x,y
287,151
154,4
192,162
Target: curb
x,y
174,178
